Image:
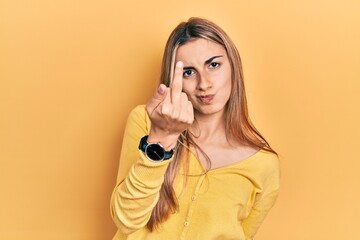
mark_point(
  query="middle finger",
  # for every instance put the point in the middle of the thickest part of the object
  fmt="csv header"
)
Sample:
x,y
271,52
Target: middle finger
x,y
176,86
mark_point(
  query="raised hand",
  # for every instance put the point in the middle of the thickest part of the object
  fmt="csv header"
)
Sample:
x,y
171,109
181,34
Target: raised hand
x,y
170,111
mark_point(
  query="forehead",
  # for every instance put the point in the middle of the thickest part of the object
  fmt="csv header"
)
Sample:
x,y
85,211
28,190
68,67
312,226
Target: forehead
x,y
199,49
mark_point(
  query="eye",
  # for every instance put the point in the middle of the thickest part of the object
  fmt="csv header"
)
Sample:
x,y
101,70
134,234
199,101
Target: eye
x,y
214,65
188,73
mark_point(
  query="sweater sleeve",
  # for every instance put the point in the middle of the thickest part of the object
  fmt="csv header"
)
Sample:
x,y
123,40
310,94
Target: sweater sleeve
x,y
265,200
139,180
257,215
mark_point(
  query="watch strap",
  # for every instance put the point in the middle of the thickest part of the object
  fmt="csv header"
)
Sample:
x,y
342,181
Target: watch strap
x,y
144,143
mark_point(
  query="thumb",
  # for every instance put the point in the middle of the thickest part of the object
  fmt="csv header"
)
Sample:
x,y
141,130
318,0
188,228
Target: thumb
x,y
158,97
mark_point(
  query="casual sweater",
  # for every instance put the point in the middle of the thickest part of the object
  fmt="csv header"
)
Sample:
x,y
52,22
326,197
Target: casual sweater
x,y
228,202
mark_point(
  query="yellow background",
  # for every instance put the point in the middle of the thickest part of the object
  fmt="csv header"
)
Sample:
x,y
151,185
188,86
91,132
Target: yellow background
x,y
70,71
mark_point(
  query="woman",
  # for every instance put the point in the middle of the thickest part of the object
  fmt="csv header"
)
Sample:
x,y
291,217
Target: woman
x,y
192,165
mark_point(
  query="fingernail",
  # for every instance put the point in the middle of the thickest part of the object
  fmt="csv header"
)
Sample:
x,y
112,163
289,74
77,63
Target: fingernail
x,y
179,64
161,89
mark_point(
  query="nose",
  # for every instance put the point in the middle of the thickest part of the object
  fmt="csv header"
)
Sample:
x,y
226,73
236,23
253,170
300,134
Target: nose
x,y
204,82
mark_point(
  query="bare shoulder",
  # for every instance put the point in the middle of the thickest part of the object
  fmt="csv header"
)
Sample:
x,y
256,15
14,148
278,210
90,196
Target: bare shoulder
x,y
248,151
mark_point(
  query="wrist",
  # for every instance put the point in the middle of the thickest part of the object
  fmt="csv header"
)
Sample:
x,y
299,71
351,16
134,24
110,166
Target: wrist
x,y
167,140
154,151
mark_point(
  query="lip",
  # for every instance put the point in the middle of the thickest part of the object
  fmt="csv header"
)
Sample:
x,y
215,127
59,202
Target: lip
x,y
206,99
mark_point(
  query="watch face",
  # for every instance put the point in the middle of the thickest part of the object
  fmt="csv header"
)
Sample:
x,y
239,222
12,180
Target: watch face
x,y
155,152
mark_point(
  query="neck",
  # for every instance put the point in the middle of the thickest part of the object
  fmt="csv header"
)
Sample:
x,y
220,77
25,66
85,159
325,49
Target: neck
x,y
209,127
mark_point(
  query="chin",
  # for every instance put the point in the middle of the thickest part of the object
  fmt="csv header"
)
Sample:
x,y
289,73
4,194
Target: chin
x,y
209,109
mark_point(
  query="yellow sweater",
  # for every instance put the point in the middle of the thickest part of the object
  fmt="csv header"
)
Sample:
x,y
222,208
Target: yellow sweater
x,y
229,202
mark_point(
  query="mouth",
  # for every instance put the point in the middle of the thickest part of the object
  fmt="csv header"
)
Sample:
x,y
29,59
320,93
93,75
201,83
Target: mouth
x,y
206,99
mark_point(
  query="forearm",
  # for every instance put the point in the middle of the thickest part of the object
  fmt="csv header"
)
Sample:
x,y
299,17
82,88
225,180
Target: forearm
x,y
134,198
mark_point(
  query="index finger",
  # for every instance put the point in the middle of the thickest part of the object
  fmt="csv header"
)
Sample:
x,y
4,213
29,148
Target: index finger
x,y
176,85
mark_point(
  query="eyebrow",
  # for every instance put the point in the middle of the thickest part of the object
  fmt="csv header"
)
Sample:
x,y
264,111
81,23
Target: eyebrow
x,y
211,59
206,62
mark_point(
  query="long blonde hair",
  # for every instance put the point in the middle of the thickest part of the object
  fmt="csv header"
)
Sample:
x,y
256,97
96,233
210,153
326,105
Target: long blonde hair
x,y
237,122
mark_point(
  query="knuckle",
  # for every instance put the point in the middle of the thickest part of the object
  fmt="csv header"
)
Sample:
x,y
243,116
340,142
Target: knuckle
x,y
184,96
165,110
190,106
176,115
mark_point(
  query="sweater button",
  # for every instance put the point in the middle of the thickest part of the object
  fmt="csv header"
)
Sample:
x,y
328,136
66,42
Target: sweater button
x,y
186,223
193,197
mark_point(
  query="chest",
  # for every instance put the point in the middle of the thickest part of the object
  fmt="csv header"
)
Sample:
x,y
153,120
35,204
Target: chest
x,y
217,156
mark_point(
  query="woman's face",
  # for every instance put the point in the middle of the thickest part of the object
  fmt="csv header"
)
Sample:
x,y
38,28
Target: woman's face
x,y
206,75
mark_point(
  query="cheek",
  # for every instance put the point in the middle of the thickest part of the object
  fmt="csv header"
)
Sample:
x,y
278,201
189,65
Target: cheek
x,y
229,86
223,80
187,87
226,85
228,79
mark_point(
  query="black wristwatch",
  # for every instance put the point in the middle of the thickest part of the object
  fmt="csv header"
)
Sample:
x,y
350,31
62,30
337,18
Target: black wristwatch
x,y
154,151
